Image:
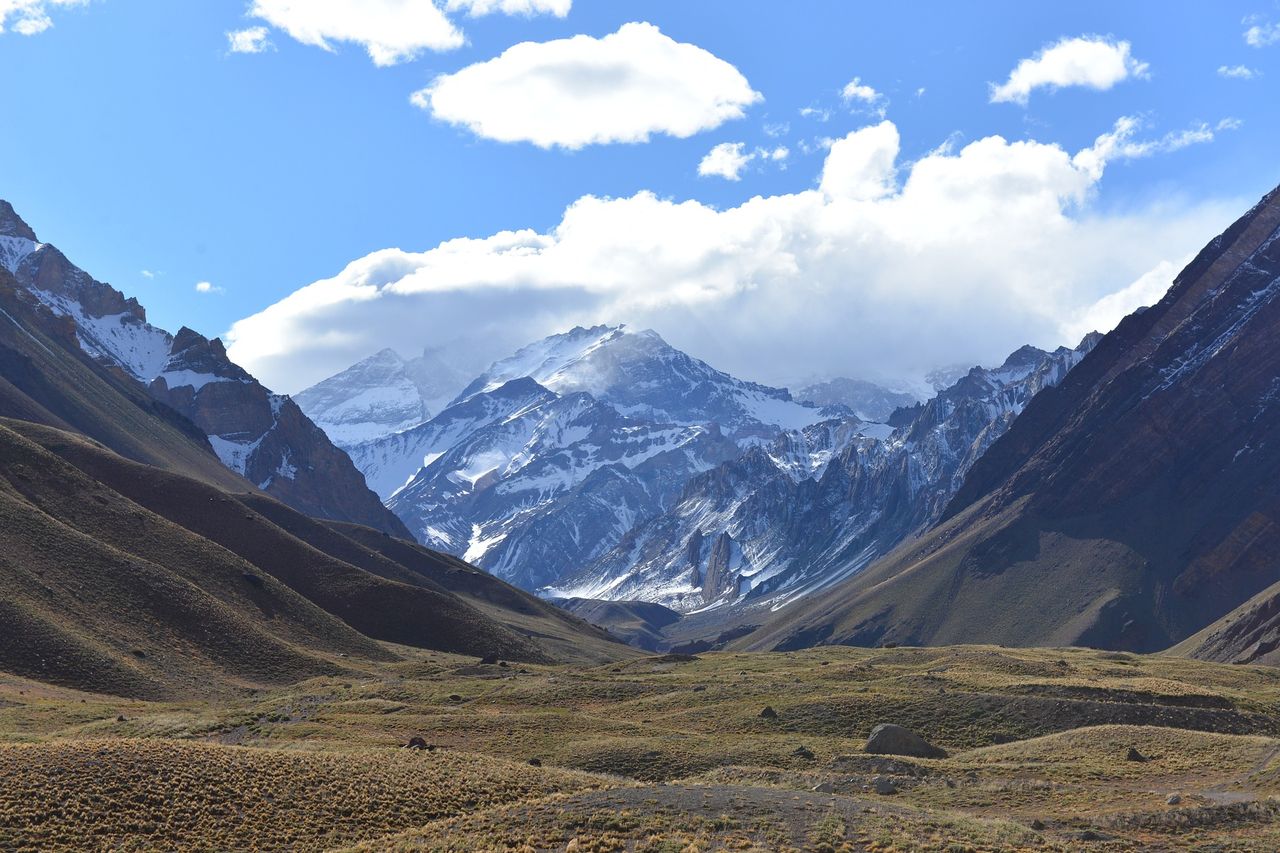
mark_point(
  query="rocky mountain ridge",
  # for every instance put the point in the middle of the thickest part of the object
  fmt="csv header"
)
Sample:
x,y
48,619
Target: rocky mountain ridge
x,y
262,436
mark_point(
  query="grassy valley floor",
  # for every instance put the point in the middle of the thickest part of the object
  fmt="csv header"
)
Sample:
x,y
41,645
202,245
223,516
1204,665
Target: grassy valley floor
x,y
664,753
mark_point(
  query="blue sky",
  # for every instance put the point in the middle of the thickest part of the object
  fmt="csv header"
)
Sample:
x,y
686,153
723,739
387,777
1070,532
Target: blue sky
x,y
136,140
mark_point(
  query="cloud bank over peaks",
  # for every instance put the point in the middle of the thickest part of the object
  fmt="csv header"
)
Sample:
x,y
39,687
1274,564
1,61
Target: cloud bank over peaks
x,y
884,268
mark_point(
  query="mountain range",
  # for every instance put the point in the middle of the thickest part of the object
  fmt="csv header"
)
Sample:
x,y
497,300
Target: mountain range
x,y
603,463
157,497
136,560
544,461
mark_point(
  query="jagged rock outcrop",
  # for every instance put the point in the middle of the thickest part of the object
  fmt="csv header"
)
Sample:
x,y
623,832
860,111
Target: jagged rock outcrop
x,y
259,435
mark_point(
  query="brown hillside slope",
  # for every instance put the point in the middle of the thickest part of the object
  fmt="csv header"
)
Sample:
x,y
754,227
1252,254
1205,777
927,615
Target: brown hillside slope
x,y
1128,508
98,593
415,615
566,636
1248,634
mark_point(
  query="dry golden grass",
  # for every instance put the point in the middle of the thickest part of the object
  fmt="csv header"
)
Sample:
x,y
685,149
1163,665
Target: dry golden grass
x,y
156,794
685,761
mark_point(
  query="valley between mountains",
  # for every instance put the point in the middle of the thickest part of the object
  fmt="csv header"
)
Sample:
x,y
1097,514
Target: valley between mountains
x,y
600,595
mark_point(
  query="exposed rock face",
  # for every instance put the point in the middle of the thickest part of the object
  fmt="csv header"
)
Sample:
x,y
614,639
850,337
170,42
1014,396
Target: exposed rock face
x,y
536,484
790,518
1128,508
891,739
257,434
549,457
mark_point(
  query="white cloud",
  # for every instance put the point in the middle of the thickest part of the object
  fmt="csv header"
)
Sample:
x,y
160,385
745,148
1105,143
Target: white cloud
x,y
477,8
1261,34
726,160
1108,311
886,267
857,92
1238,72
30,17
861,167
149,274
250,40
1119,144
1090,61
580,91
391,31
207,287
819,113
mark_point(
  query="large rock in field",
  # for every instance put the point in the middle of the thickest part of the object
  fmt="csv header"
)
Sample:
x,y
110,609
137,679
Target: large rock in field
x,y
889,739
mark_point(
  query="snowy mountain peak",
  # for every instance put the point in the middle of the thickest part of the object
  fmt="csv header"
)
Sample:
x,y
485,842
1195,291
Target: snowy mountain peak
x,y
379,395
642,376
555,362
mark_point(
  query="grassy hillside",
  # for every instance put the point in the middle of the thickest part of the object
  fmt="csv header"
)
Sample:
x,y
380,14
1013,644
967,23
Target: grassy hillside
x,y
564,635
666,753
98,592
420,615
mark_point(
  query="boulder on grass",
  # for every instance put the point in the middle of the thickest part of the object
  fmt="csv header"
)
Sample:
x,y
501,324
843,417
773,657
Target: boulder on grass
x,y
890,739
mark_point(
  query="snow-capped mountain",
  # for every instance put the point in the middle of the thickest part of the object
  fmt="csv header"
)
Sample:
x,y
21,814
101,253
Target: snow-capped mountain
x,y
548,458
642,376
867,400
788,519
380,395
260,435
543,483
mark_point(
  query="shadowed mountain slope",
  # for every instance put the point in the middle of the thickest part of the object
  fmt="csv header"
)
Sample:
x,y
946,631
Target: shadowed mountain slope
x,y
98,592
1128,508
406,610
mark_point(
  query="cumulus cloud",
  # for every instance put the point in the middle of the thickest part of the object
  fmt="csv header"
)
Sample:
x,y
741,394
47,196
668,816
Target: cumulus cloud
x,y
207,287
477,8
250,40
1090,61
582,90
391,31
1262,33
1237,72
30,17
728,159
885,267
